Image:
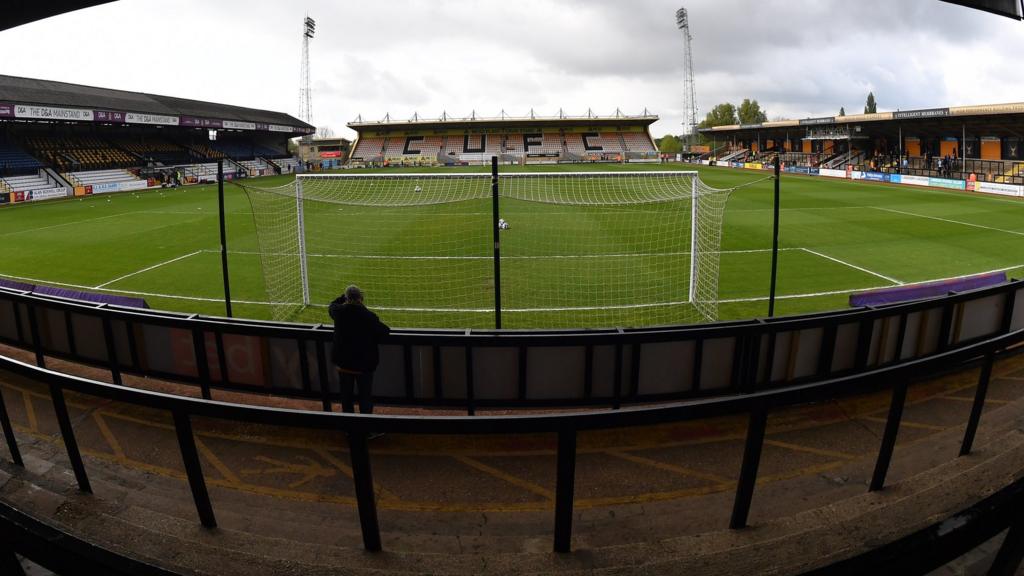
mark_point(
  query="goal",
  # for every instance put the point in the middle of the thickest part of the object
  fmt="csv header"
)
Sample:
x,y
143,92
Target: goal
x,y
576,250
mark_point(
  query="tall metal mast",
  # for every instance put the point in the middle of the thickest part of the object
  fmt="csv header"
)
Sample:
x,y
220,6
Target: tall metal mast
x,y
305,92
689,89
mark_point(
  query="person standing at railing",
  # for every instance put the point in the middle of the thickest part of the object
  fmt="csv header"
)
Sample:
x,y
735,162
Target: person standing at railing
x,y
357,333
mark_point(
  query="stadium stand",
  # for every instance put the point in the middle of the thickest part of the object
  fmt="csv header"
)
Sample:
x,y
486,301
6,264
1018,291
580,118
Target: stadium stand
x,y
287,165
257,167
533,139
28,182
54,136
96,177
636,142
76,153
153,149
14,160
370,148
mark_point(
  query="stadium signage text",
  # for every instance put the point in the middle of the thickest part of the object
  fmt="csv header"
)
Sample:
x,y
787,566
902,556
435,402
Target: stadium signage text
x,y
814,121
109,116
6,110
929,113
192,121
233,125
158,119
47,113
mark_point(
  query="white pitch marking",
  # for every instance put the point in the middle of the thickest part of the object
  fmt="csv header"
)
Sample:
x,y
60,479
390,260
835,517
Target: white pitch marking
x,y
153,267
1014,232
548,257
854,266
491,310
27,230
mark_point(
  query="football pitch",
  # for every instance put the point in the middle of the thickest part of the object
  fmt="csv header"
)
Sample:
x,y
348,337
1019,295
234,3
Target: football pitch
x,y
837,236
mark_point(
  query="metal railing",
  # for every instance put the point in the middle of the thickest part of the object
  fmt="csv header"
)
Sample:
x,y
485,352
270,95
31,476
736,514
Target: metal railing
x,y
756,405
616,367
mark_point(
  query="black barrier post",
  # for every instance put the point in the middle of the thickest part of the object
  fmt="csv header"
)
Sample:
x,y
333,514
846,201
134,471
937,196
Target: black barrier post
x,y
223,237
193,468
775,241
497,242
564,487
12,442
1011,552
362,476
892,428
9,563
979,404
67,432
748,470
37,340
108,340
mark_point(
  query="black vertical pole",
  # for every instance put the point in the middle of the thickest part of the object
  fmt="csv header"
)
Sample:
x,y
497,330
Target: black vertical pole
x,y
223,237
775,243
497,242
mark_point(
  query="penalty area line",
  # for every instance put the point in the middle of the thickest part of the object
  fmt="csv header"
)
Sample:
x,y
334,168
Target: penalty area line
x,y
854,266
147,269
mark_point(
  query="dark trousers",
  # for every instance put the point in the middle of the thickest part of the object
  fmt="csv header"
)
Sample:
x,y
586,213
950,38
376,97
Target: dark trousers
x,y
349,380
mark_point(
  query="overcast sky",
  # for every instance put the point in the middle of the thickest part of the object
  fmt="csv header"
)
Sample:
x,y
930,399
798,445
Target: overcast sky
x,y
799,58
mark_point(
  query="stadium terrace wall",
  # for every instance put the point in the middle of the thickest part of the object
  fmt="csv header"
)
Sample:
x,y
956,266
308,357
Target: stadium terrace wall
x,y
472,370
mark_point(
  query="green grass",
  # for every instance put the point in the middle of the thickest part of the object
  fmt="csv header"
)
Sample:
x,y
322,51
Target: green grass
x,y
837,236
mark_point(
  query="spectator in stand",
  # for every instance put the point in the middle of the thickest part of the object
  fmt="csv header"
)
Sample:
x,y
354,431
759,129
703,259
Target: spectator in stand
x,y
357,332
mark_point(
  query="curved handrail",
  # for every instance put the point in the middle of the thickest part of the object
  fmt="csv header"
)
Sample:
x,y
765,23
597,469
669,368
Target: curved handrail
x,y
566,425
420,374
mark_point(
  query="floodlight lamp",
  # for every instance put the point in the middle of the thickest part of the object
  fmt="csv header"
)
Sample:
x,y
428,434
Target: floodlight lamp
x,y
681,18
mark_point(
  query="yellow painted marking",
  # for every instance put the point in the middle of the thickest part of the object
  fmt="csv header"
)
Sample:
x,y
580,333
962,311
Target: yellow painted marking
x,y
800,472
909,424
108,435
216,462
519,482
653,496
30,411
811,450
308,470
965,399
668,467
381,492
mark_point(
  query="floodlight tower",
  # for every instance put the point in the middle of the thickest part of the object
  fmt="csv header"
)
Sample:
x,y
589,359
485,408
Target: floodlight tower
x,y
305,92
689,89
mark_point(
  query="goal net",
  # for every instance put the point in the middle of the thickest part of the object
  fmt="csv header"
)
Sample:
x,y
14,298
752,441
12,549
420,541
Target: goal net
x,y
577,250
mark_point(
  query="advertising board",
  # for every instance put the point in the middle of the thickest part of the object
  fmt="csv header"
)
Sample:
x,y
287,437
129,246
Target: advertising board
x,y
946,183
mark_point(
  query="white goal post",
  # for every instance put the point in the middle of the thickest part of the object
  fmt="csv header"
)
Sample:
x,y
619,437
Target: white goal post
x,y
580,249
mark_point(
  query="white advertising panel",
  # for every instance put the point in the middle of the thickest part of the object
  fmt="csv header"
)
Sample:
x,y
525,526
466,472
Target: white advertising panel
x,y
996,188
278,128
105,187
50,113
134,185
232,125
914,180
159,119
832,173
47,193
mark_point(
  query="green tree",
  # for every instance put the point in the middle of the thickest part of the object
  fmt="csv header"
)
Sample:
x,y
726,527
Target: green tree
x,y
722,115
842,111
872,106
750,112
670,144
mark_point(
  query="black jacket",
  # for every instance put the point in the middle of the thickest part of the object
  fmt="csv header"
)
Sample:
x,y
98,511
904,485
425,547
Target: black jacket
x,y
357,331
